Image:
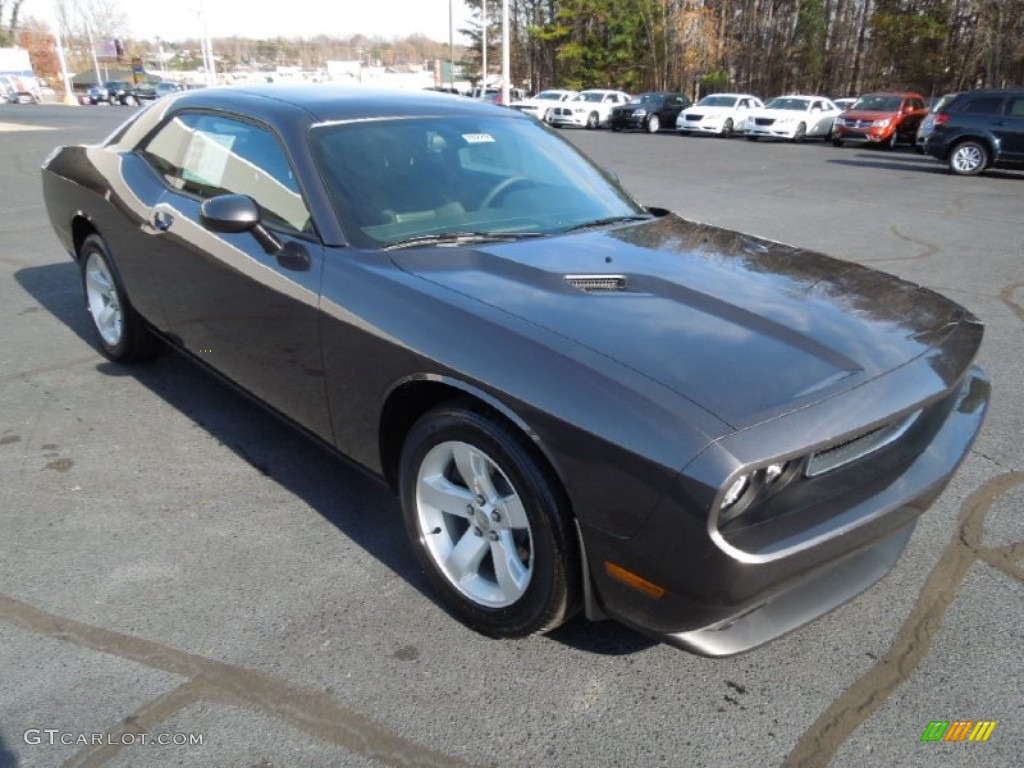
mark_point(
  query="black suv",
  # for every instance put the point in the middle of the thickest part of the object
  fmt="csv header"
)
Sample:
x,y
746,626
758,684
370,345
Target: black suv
x,y
978,130
650,111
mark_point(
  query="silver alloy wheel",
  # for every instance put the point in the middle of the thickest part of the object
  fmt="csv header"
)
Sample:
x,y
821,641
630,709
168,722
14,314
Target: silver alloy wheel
x,y
101,297
474,525
967,158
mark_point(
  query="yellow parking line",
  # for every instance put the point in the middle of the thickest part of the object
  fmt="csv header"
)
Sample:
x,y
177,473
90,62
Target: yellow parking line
x,y
12,127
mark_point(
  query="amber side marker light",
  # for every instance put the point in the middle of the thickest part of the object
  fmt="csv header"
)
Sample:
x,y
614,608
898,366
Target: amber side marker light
x,y
631,579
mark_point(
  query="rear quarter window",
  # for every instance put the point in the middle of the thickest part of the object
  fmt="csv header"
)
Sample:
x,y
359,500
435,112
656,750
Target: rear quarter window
x,y
983,105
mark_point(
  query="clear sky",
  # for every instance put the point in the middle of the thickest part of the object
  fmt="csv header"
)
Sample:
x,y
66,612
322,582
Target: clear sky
x,y
296,18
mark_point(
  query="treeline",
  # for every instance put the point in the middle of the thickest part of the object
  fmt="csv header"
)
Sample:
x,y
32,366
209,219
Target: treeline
x,y
838,47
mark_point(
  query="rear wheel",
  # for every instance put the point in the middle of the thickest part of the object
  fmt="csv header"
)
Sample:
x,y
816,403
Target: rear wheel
x,y
122,333
653,124
488,524
968,158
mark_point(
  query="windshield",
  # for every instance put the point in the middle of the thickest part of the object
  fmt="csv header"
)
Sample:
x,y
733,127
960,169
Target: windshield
x,y
396,179
717,101
799,105
650,99
549,95
589,97
879,103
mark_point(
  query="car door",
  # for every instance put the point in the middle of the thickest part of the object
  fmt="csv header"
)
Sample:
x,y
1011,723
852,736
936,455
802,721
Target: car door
x,y
1009,128
246,309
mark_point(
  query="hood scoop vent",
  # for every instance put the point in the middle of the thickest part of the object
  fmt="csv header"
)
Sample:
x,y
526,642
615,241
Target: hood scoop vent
x,y
597,283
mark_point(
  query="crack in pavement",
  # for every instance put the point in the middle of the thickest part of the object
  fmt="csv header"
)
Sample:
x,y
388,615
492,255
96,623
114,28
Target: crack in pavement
x,y
311,711
930,249
142,720
857,703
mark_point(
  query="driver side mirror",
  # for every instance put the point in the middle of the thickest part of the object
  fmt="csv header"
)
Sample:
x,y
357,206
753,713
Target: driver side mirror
x,y
232,214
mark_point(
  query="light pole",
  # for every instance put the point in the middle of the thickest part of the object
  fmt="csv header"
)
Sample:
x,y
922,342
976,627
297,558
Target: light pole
x,y
483,52
506,54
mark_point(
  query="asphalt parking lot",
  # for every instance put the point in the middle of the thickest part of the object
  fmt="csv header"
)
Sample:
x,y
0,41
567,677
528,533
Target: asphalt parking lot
x,y
177,566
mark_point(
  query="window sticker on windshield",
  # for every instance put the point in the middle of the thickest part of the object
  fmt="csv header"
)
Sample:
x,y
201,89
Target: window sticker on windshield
x,y
478,138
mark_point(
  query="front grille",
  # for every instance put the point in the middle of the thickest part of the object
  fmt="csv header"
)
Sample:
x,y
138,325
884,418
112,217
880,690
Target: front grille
x,y
597,283
694,117
858,447
764,122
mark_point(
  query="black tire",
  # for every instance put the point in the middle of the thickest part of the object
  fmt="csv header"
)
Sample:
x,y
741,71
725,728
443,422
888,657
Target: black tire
x,y
130,101
893,140
837,142
593,120
800,134
752,138
727,128
968,158
122,334
617,128
537,537
653,124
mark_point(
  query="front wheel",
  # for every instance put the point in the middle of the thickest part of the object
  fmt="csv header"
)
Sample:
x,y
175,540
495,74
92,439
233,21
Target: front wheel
x,y
726,129
968,158
654,124
488,523
593,120
837,142
800,134
122,333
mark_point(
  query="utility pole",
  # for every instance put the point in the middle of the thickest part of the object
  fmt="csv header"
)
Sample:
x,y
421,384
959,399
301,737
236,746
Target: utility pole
x,y
506,54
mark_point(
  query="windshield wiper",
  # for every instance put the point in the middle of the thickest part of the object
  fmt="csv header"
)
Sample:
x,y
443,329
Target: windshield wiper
x,y
606,221
461,238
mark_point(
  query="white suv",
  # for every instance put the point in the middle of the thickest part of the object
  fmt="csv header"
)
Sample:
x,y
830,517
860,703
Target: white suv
x,y
721,113
590,109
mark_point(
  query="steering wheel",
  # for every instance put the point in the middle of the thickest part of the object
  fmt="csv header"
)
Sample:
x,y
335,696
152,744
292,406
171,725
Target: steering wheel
x,y
501,188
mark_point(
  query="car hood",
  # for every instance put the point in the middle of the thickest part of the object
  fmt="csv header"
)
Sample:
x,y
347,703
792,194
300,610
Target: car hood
x,y
707,110
863,114
783,114
745,328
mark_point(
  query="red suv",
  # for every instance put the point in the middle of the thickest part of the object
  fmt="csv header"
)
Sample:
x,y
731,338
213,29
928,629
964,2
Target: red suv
x,y
881,118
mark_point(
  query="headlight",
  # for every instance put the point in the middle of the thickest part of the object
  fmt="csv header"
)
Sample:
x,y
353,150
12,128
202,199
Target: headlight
x,y
881,124
640,113
839,121
746,491
735,491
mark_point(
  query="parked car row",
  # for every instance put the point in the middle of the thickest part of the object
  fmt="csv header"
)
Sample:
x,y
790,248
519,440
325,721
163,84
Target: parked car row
x,y
123,93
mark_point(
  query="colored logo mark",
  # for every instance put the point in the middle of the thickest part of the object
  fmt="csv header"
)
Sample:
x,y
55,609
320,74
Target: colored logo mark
x,y
959,730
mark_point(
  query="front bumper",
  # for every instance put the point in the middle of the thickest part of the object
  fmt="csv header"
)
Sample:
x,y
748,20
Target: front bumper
x,y
703,126
862,135
772,131
578,120
725,595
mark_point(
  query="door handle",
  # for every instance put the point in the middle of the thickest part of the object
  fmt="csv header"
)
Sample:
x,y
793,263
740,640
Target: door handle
x,y
162,221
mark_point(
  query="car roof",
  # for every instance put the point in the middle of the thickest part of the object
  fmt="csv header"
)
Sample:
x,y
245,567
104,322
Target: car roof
x,y
324,103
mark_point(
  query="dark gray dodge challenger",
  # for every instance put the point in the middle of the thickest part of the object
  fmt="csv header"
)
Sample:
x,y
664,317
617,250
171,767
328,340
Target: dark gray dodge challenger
x,y
583,403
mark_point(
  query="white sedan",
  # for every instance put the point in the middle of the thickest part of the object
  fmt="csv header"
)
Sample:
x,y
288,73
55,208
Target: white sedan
x,y
721,114
793,117
590,109
538,106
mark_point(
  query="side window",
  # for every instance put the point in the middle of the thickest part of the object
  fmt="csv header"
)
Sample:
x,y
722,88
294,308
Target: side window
x,y
915,104
227,156
983,105
165,149
1015,106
